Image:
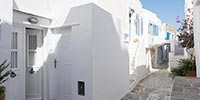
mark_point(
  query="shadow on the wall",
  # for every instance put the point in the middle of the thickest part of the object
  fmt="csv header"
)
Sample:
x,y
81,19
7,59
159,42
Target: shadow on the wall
x,y
91,50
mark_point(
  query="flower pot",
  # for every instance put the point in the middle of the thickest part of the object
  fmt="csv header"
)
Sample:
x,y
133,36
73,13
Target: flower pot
x,y
191,73
2,96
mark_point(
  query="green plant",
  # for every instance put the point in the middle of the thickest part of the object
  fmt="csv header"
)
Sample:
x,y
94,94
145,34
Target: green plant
x,y
4,74
183,67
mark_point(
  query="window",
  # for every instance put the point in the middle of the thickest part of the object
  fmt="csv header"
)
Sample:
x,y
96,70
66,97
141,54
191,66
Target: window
x,y
150,28
167,36
141,26
137,24
153,29
127,37
14,50
32,49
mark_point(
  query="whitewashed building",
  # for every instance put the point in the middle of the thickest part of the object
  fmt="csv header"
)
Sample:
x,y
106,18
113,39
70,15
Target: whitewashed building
x,y
139,55
192,11
155,32
76,49
197,34
65,49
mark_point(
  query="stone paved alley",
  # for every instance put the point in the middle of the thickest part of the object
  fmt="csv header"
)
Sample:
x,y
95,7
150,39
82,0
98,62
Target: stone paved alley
x,y
156,86
186,88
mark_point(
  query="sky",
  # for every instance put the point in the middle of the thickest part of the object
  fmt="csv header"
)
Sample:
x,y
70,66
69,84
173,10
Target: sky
x,y
166,10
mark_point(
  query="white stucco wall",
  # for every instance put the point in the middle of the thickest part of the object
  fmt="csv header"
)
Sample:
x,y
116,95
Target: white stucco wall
x,y
6,29
137,6
77,51
5,33
118,8
133,46
174,60
150,17
143,61
110,56
71,46
59,9
197,34
95,52
138,54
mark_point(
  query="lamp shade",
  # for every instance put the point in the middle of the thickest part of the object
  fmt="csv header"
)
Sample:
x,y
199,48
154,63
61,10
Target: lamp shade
x,y
33,20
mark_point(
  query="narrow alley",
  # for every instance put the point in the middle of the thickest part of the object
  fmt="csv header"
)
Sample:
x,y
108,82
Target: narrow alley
x,y
157,86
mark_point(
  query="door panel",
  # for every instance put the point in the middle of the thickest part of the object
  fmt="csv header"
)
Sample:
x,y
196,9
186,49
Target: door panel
x,y
63,87
34,64
63,69
16,85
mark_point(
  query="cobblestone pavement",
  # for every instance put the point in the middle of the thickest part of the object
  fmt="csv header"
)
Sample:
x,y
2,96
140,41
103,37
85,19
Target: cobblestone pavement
x,y
156,86
186,88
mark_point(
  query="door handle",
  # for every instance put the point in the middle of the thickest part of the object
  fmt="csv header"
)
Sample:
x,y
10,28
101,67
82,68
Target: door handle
x,y
55,63
32,71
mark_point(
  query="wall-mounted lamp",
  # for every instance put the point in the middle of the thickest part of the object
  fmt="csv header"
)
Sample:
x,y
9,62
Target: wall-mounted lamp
x,y
131,11
33,20
1,21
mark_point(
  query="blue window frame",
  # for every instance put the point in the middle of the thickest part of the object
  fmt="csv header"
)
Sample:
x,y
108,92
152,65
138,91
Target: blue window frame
x,y
141,26
137,25
153,29
167,36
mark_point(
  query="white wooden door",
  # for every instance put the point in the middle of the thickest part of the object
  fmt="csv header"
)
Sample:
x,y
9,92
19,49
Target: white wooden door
x,y
16,85
34,64
63,67
63,82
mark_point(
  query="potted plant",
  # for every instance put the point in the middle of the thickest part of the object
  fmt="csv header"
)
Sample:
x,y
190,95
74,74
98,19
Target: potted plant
x,y
186,67
4,76
186,37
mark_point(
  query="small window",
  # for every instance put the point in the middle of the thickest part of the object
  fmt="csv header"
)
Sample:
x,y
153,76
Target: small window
x,y
13,59
14,50
154,29
142,26
81,88
32,42
14,41
31,58
32,49
137,22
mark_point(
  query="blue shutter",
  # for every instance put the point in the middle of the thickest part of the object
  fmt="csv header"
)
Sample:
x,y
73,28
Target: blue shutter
x,y
158,30
137,24
141,26
168,36
154,30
